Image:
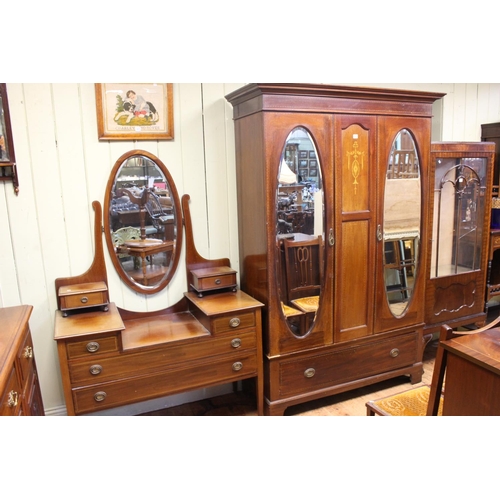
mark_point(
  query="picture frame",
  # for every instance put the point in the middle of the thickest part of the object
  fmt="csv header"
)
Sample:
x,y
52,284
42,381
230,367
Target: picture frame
x,y
8,167
313,163
134,111
303,164
303,154
303,172
313,172
312,154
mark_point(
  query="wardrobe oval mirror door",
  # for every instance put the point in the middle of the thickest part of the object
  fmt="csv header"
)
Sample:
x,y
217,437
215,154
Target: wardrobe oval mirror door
x,y
300,235
402,221
142,221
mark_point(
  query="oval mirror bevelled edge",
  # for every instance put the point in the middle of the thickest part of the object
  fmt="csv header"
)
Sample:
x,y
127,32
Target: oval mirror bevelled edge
x,y
142,221
300,231
402,221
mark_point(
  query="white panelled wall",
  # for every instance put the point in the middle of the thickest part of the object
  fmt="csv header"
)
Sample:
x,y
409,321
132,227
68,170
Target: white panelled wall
x,y
47,230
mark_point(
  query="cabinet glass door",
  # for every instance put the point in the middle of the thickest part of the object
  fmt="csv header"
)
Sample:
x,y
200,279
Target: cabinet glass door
x,y
459,202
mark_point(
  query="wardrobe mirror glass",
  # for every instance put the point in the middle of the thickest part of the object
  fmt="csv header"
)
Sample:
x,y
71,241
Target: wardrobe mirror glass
x,y
402,214
142,221
299,231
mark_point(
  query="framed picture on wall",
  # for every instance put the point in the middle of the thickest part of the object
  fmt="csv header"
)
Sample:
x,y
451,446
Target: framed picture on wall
x,y
8,170
134,111
302,154
313,164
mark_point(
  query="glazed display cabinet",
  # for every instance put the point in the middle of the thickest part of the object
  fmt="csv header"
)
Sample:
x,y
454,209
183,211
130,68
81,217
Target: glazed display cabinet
x,y
333,229
461,183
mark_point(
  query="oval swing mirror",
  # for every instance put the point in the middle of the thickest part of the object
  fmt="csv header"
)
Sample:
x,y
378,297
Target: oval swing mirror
x,y
300,235
142,221
402,209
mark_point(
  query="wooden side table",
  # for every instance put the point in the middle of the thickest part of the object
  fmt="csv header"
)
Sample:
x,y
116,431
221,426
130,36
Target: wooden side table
x,y
473,374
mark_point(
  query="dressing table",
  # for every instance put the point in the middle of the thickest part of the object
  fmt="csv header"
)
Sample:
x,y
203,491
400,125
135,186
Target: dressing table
x,y
110,358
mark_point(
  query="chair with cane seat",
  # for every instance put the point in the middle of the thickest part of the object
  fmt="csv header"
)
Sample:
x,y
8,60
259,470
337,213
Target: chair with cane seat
x,y
424,400
304,264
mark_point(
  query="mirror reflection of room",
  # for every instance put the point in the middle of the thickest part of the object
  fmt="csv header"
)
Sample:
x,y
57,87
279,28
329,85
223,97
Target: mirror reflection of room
x,y
401,235
142,220
300,231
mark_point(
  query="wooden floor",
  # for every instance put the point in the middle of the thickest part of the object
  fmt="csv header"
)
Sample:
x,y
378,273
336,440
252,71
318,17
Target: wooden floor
x,y
350,403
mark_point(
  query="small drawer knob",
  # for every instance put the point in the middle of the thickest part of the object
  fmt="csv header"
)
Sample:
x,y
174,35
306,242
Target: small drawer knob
x,y
13,399
28,352
394,353
84,300
95,369
100,396
236,343
237,366
309,373
234,322
218,281
93,346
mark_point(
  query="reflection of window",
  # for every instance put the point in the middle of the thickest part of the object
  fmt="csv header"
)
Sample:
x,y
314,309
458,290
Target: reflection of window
x,y
403,161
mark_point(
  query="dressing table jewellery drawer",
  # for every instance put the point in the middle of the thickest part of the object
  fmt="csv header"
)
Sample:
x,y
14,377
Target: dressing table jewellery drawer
x,y
95,346
213,278
83,295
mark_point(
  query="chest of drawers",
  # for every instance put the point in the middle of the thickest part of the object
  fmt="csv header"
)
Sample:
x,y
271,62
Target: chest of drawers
x,y
20,393
117,357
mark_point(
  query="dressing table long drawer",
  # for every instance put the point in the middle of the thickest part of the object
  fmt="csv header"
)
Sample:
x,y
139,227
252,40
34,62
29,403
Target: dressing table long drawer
x,y
129,390
142,362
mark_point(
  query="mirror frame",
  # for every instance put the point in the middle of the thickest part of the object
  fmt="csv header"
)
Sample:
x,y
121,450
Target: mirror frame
x,y
147,290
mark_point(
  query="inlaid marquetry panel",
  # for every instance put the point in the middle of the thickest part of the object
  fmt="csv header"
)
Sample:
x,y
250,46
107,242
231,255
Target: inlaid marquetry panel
x,y
355,169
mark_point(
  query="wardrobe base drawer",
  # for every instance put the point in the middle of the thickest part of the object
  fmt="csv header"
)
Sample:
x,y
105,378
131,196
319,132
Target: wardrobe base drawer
x,y
344,365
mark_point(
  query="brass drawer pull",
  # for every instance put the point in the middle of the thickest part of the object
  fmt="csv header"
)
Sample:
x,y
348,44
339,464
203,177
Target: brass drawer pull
x,y
237,366
28,352
394,353
234,322
95,369
84,300
13,399
218,281
309,373
236,343
93,346
100,396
